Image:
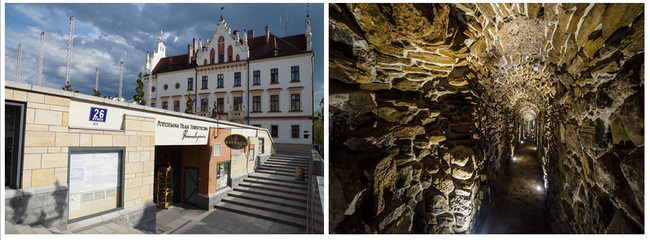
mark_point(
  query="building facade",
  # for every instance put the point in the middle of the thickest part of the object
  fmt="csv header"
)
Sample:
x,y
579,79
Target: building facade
x,y
264,81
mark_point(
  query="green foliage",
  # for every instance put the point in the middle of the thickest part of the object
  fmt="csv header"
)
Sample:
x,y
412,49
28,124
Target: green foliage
x,y
68,87
189,107
97,93
318,127
215,114
139,96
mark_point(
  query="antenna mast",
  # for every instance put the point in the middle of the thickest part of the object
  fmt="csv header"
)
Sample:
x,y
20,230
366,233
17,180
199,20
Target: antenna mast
x,y
286,24
121,72
67,69
20,53
40,60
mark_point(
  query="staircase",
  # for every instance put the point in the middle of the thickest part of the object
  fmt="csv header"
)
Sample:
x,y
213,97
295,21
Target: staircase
x,y
109,228
272,193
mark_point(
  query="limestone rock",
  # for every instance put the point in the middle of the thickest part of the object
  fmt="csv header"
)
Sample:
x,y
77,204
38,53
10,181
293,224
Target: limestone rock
x,y
443,183
461,154
462,174
619,15
401,115
370,144
439,204
460,205
408,132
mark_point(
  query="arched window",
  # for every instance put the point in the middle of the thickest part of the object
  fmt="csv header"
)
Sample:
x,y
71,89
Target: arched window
x,y
229,53
221,48
205,61
237,58
212,56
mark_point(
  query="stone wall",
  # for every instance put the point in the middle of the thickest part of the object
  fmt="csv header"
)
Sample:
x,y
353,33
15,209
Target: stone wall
x,y
427,103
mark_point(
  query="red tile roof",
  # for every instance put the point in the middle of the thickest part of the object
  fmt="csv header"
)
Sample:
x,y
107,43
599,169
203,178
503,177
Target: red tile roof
x,y
178,62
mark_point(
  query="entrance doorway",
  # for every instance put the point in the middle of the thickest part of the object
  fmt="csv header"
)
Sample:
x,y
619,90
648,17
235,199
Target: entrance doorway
x,y
191,185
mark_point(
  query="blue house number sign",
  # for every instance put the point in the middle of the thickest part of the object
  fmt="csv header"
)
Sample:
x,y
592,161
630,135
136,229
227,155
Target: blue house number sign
x,y
98,114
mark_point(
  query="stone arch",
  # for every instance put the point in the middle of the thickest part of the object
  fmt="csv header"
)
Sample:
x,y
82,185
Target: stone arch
x,y
229,53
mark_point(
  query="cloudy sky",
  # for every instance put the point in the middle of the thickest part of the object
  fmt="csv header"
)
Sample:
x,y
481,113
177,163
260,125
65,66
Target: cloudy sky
x,y
106,34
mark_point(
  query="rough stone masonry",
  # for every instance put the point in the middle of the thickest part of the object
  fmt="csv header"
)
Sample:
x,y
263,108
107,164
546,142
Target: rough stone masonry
x,y
427,102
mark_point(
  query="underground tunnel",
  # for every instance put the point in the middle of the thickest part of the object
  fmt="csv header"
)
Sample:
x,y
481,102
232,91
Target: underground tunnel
x,y
486,118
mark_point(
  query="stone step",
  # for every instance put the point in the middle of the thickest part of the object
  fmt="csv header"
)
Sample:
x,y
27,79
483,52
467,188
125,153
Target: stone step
x,y
40,229
290,156
25,229
275,201
55,230
289,160
286,188
286,169
262,181
266,215
273,194
279,173
285,166
289,211
284,179
10,228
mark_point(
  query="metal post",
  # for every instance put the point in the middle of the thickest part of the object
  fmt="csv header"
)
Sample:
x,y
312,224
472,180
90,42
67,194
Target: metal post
x,y
40,61
67,69
20,52
121,72
96,78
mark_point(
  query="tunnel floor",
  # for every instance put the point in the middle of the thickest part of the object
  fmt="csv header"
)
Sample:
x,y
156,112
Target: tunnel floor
x,y
520,197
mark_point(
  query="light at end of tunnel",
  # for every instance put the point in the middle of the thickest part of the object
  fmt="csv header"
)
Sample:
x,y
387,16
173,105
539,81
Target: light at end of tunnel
x,y
539,188
522,141
535,148
514,159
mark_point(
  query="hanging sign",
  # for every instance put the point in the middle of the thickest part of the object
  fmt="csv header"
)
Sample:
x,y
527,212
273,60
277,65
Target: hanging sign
x,y
236,141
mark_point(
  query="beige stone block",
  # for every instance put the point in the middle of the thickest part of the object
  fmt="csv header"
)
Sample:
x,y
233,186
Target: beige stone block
x,y
114,132
133,167
42,177
67,139
153,155
148,180
29,116
60,175
127,176
134,141
153,141
35,97
27,178
64,149
39,139
149,119
35,149
127,117
36,127
149,148
144,141
102,140
87,131
57,100
145,156
53,160
65,120
128,204
139,149
20,96
9,94
131,149
58,128
149,126
38,105
120,140
140,118
133,157
132,125
147,199
146,190
32,161
85,140
133,182
59,108
137,201
142,174
48,117
146,134
54,150
132,193
130,133
148,166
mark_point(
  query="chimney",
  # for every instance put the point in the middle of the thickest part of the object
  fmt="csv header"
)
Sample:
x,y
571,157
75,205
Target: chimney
x,y
190,53
267,33
251,34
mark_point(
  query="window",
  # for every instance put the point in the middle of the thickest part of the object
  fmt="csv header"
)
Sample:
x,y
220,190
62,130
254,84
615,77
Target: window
x,y
220,58
220,105
238,79
204,82
257,103
295,131
295,102
229,53
212,56
165,87
274,131
274,75
178,85
256,77
153,89
14,133
190,84
306,135
164,105
275,103
177,106
237,103
220,80
153,104
204,105
86,166
295,74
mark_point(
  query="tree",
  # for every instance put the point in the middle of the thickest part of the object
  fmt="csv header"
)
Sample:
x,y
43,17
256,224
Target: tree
x,y
215,114
68,87
189,105
97,93
318,127
139,96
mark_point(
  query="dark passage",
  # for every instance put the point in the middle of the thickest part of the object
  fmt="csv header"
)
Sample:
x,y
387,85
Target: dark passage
x,y
520,206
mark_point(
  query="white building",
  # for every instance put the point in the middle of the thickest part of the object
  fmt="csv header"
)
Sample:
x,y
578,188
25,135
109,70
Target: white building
x,y
264,81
